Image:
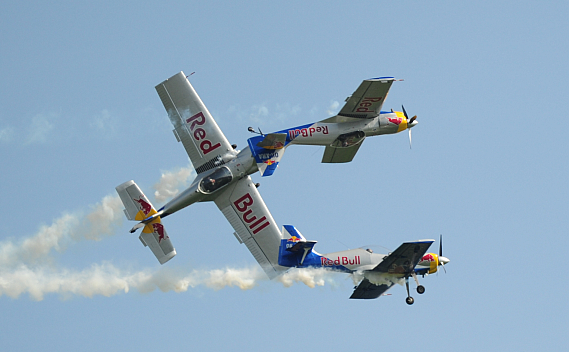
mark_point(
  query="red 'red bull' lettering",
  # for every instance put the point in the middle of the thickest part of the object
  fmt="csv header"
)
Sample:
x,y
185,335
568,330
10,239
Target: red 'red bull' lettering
x,y
242,205
364,105
144,206
340,261
199,134
307,132
159,229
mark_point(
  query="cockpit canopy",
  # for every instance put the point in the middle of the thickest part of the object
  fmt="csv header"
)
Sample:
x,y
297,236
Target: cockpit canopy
x,y
215,180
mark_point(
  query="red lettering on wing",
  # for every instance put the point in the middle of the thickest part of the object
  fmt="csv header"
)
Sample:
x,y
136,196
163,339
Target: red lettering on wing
x,y
198,134
242,205
366,102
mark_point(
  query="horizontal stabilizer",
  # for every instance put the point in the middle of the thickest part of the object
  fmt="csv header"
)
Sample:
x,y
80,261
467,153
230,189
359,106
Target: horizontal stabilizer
x,y
138,207
154,236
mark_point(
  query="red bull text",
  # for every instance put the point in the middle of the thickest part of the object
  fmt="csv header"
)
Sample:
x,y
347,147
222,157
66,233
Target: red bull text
x,y
307,132
242,205
365,103
340,261
199,134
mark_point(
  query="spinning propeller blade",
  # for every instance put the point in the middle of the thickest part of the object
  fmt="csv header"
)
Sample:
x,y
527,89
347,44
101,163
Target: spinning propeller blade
x,y
409,123
442,259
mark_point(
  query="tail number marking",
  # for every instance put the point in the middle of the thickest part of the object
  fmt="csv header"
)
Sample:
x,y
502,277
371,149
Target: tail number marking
x,y
200,134
243,204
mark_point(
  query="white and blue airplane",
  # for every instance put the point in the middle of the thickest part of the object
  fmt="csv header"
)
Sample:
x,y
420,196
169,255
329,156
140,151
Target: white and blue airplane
x,y
380,272
223,171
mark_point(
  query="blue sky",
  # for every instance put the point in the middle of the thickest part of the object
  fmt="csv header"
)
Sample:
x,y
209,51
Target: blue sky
x,y
79,115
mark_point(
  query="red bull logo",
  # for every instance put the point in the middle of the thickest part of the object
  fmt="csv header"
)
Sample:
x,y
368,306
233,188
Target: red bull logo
x,y
395,121
429,257
199,134
356,260
242,205
159,229
366,103
144,206
307,132
293,239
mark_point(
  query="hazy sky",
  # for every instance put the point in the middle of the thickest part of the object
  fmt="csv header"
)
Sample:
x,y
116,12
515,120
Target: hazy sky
x,y
79,115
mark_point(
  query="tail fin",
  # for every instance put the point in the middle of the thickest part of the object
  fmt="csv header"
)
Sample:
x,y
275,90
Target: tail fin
x,y
294,249
268,150
138,207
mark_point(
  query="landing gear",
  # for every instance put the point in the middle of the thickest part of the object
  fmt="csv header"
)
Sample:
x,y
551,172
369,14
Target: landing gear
x,y
420,288
409,299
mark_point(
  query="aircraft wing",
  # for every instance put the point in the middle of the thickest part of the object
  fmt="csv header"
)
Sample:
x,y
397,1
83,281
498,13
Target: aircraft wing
x,y
366,102
193,124
367,290
340,155
404,259
395,266
253,223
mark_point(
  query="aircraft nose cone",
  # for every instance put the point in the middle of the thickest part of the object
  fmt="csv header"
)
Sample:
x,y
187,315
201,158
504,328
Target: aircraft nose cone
x,y
444,260
412,124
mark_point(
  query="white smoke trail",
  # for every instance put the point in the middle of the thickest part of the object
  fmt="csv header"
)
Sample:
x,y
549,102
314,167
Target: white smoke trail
x,y
102,220
171,181
29,266
107,280
311,277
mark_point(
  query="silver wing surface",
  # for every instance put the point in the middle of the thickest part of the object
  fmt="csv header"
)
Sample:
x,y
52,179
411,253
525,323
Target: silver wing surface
x,y
366,102
398,264
253,223
193,124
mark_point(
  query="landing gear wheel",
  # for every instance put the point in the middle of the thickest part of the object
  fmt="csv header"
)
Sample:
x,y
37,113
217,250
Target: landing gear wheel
x,y
421,289
409,300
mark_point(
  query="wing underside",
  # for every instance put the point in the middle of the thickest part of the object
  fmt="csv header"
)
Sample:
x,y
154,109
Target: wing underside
x,y
367,290
254,225
193,124
366,102
397,265
340,155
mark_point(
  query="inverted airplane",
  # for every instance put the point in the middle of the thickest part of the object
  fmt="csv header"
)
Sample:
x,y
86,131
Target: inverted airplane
x,y
223,172
380,271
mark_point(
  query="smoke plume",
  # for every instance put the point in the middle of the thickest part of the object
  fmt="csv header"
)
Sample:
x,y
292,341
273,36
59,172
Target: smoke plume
x,y
29,266
171,182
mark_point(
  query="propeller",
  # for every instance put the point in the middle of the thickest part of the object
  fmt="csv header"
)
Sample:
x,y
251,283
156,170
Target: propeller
x,y
410,123
442,260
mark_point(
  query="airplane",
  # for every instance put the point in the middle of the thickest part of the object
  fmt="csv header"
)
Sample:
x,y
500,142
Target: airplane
x,y
223,171
380,272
